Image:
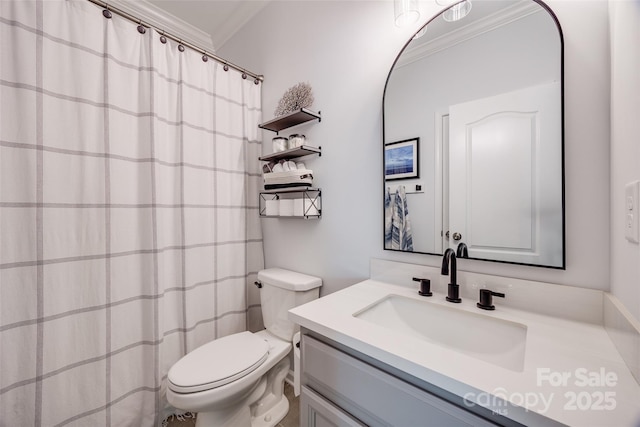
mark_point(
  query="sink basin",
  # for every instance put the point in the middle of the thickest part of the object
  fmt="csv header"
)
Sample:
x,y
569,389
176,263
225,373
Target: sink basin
x,y
493,340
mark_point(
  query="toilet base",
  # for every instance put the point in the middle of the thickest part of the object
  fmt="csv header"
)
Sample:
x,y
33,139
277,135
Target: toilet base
x,y
269,418
240,418
274,415
265,406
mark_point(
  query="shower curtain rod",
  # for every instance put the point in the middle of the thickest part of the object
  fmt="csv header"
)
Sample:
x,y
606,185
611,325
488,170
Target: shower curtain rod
x,y
139,21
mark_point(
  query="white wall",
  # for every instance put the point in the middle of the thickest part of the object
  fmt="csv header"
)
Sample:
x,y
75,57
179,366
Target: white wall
x,y
345,50
625,146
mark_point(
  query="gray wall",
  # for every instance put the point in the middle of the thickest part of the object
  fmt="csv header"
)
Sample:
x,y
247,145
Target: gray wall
x,y
345,49
625,146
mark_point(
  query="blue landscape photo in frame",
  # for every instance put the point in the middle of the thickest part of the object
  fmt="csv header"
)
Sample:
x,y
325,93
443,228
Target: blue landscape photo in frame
x,y
401,159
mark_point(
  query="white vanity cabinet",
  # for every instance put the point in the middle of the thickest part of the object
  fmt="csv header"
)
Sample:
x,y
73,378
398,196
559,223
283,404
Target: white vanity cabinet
x,y
339,389
383,374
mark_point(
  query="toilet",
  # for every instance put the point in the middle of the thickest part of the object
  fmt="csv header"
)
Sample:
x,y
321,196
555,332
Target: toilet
x,y
238,380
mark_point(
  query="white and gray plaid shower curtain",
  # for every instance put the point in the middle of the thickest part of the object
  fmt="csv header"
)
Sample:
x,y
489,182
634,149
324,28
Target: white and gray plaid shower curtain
x,y
129,227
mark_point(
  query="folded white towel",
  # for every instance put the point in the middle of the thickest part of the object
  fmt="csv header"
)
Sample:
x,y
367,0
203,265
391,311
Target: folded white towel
x,y
298,177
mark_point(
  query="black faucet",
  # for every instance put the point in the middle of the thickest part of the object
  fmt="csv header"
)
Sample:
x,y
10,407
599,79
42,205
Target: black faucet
x,y
454,290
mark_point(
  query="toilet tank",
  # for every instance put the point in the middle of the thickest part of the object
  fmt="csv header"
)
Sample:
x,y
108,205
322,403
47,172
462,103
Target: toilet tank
x,y
281,291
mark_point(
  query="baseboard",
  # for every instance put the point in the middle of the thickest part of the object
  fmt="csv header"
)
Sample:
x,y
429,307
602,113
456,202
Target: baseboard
x,y
289,377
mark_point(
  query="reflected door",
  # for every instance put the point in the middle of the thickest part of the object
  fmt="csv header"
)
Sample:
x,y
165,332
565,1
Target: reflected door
x,y
502,202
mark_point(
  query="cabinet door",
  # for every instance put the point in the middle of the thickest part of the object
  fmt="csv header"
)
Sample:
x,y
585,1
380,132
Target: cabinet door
x,y
315,411
373,396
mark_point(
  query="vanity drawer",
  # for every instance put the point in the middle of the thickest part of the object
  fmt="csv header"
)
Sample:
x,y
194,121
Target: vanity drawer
x,y
316,411
371,395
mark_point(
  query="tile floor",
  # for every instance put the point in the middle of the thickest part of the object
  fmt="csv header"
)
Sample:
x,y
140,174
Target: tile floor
x,y
293,417
291,420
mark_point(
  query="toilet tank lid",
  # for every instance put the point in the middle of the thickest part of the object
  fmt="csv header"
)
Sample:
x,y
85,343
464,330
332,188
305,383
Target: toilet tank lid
x,y
288,279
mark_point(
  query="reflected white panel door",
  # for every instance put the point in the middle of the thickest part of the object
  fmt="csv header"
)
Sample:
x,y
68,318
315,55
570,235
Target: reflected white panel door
x,y
505,176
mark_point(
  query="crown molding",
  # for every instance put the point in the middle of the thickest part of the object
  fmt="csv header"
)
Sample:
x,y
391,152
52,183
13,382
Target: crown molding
x,y
159,18
244,12
467,32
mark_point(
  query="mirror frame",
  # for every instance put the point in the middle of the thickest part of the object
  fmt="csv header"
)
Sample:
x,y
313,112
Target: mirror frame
x,y
562,136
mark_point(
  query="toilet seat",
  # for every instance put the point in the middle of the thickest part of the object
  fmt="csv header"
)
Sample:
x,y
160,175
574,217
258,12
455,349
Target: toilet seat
x,y
218,362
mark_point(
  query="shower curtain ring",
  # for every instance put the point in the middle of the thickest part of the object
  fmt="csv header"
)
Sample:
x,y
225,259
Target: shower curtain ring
x,y
180,46
141,28
106,13
163,39
205,58
226,67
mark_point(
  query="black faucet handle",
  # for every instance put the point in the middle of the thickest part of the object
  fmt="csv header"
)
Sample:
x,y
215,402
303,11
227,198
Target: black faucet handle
x,y
425,286
486,299
462,250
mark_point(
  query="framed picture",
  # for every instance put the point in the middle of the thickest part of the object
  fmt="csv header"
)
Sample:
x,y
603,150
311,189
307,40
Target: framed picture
x,y
402,160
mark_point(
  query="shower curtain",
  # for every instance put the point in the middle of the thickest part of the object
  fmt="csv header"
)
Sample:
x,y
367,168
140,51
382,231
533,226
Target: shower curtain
x,y
128,212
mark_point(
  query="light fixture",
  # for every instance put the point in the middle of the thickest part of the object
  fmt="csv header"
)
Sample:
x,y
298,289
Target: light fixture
x,y
457,11
406,12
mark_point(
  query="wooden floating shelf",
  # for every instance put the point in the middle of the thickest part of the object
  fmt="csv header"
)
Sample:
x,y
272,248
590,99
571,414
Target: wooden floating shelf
x,y
290,120
303,150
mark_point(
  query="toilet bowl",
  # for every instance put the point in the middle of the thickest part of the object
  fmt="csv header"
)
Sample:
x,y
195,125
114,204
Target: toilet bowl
x,y
238,380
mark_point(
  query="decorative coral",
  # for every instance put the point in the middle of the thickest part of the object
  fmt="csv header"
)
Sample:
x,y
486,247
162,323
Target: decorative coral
x,y
295,98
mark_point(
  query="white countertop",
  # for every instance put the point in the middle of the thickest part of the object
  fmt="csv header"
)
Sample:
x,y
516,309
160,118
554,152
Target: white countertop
x,y
598,389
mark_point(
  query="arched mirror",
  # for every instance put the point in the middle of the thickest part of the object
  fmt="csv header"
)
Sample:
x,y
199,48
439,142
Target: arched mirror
x,y
473,137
